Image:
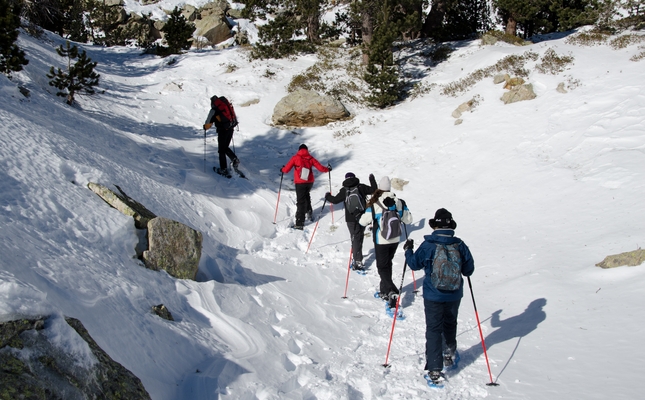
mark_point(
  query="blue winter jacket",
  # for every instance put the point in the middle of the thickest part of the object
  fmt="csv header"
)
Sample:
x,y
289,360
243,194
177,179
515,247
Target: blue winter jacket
x,y
422,258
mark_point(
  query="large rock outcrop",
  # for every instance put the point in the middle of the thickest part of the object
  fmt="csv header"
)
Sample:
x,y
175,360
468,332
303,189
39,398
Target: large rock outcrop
x,y
173,247
32,367
308,108
212,22
519,93
123,203
168,245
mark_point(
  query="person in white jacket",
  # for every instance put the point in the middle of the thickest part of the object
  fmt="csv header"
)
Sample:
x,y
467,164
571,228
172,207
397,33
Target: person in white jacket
x,y
383,199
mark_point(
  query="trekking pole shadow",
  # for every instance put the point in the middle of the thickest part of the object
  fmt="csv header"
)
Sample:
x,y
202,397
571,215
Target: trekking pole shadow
x,y
518,327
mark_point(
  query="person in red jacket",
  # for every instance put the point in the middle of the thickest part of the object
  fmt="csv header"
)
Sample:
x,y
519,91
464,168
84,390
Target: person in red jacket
x,y
303,177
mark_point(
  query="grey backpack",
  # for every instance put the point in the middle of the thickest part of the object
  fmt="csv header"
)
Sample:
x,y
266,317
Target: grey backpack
x,y
446,267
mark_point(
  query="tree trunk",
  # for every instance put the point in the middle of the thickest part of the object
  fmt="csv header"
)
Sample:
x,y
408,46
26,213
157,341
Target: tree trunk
x,y
511,26
434,19
367,31
313,25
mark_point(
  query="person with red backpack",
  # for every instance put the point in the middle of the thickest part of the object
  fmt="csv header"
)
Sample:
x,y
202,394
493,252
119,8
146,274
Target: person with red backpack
x,y
303,177
222,114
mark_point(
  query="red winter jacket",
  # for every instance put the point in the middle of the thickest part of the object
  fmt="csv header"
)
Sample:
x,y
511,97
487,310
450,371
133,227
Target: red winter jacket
x,y
301,160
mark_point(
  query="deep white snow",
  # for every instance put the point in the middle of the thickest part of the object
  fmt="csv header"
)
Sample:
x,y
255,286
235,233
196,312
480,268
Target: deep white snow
x,y
541,190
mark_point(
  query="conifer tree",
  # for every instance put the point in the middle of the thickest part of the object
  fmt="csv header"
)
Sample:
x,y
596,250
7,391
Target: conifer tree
x,y
381,72
80,77
179,32
12,58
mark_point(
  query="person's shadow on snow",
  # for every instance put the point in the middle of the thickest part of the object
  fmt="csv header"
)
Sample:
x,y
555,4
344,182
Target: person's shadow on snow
x,y
508,329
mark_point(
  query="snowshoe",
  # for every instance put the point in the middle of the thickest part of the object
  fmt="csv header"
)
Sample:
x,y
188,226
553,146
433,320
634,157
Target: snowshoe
x,y
223,172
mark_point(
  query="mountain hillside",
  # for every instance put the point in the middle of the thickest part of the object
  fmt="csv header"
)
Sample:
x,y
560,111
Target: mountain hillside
x,y
542,190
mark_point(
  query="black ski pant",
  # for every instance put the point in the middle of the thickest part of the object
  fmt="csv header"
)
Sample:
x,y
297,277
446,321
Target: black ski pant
x,y
224,137
441,324
303,202
384,256
356,234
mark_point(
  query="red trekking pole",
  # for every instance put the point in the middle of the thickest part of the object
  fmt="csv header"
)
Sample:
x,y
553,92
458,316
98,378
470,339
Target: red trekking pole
x,y
491,383
316,226
279,190
396,312
349,263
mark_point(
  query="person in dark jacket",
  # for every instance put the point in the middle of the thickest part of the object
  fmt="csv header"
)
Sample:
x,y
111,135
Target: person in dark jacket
x,y
224,137
356,230
303,177
441,306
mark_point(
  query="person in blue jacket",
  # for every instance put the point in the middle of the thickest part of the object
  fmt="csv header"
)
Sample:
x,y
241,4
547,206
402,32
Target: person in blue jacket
x,y
441,306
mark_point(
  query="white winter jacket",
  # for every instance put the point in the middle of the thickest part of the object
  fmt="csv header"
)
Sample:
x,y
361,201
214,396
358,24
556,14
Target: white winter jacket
x,y
367,218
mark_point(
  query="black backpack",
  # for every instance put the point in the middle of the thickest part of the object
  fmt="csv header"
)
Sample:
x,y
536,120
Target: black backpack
x,y
224,117
354,202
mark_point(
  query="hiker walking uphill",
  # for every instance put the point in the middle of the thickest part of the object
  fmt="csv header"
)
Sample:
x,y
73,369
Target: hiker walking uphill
x,y
353,194
444,258
386,212
303,177
223,116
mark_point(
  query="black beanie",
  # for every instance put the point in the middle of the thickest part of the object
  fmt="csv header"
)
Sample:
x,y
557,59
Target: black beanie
x,y
442,219
303,146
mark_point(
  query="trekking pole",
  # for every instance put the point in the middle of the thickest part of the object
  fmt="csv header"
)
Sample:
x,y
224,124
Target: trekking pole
x,y
278,202
348,268
331,205
491,383
414,281
316,226
396,312
204,150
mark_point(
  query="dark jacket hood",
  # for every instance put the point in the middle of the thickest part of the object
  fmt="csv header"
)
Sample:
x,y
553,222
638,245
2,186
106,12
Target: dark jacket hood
x,y
351,182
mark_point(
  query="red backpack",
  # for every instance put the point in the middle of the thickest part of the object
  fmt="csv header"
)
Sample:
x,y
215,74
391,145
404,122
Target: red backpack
x,y
224,117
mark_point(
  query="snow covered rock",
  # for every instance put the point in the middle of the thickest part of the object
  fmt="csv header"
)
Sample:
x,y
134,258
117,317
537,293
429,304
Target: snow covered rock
x,y
308,108
519,93
123,203
56,358
173,247
213,24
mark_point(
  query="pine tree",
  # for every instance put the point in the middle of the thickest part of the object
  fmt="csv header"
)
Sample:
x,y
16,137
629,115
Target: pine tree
x,y
12,58
382,73
179,32
79,78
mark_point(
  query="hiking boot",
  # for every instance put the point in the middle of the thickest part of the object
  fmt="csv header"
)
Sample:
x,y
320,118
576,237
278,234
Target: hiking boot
x,y
236,163
392,298
358,266
450,358
435,377
223,172
299,227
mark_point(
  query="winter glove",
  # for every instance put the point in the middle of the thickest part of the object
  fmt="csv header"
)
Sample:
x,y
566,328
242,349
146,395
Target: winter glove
x,y
409,244
388,202
328,196
281,169
207,126
329,167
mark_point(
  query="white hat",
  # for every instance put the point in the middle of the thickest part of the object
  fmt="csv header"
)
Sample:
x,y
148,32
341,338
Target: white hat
x,y
384,184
